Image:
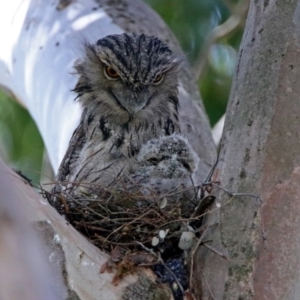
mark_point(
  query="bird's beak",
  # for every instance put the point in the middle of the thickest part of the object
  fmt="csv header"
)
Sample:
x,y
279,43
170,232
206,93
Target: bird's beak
x,y
138,103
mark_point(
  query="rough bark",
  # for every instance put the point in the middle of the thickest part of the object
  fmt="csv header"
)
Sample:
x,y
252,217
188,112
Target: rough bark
x,y
260,154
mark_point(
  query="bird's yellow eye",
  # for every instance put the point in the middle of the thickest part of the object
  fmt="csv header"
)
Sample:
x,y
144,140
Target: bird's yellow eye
x,y
158,79
111,73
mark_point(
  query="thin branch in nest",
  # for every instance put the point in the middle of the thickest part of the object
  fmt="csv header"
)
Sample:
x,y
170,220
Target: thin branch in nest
x,y
212,169
193,256
233,195
96,228
127,224
204,202
208,287
89,209
63,201
180,220
122,244
257,197
224,256
175,191
26,180
203,205
196,188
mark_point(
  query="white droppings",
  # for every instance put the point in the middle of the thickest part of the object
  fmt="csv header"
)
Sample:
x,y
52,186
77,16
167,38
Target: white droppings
x,y
85,263
162,234
56,239
187,240
155,241
54,257
163,203
43,201
71,284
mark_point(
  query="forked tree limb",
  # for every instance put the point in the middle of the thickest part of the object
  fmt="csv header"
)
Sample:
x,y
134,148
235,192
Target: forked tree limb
x,y
260,154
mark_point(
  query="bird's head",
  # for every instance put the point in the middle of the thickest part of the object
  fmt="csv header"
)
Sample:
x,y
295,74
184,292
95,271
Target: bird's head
x,y
129,77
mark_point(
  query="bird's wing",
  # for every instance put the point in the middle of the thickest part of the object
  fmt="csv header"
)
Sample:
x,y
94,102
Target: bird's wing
x,y
75,146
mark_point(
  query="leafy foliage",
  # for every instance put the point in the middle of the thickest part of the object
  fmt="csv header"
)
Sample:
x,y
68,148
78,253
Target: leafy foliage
x,y
20,143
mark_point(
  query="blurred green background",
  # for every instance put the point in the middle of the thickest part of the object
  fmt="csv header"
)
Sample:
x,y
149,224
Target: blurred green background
x,y
191,21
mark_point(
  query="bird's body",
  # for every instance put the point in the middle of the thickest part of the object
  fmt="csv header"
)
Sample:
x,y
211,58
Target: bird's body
x,y
128,88
128,168
108,149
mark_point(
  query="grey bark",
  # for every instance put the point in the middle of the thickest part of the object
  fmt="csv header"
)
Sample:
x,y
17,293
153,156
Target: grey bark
x,y
260,154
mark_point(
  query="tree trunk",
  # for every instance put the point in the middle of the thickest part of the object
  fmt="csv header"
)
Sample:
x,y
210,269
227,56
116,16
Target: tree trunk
x,y
260,154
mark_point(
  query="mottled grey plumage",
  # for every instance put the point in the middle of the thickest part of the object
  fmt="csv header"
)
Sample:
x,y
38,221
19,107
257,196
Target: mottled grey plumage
x,y
128,88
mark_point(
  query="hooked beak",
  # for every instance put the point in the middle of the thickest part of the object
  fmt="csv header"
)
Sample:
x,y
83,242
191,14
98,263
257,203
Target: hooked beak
x,y
133,105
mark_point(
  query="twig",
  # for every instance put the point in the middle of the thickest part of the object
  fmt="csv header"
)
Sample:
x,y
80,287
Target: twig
x,y
193,255
235,194
212,169
102,239
221,31
201,204
204,203
208,287
126,224
215,251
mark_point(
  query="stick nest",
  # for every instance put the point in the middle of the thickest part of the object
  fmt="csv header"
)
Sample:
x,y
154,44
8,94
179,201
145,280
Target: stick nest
x,y
138,226
114,216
